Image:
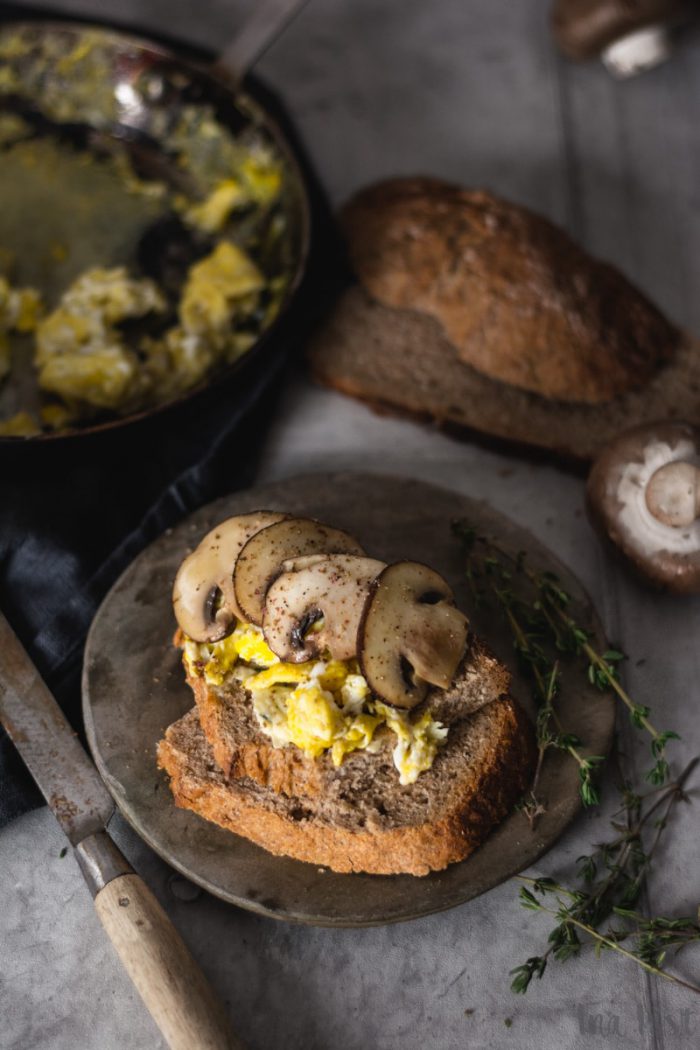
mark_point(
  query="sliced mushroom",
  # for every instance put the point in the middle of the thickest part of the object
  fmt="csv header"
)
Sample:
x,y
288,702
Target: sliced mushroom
x,y
644,494
411,635
203,596
263,557
317,607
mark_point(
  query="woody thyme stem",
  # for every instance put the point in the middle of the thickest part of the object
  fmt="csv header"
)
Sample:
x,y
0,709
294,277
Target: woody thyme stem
x,y
616,946
604,669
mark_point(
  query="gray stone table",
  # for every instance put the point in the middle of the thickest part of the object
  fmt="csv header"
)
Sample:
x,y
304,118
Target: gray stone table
x,y
472,91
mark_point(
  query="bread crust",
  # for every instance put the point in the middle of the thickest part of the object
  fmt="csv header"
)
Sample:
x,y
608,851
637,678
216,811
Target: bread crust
x,y
479,801
517,299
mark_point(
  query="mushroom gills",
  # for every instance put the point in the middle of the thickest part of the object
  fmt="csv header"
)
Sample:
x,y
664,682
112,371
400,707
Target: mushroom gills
x,y
204,601
263,558
411,634
317,609
312,620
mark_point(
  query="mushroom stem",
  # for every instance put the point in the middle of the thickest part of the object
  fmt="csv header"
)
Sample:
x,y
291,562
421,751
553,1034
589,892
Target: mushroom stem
x,y
638,51
673,494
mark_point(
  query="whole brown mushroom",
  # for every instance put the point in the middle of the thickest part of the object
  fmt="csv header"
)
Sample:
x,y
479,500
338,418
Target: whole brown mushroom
x,y
629,36
644,494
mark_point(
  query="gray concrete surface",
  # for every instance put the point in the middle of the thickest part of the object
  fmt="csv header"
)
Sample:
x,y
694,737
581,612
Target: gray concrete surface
x,y
472,91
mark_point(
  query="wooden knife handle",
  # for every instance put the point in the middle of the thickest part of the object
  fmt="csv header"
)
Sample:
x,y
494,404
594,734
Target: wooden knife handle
x,y
166,976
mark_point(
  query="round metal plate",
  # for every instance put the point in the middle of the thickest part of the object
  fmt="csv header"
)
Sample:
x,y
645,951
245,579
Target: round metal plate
x,y
133,688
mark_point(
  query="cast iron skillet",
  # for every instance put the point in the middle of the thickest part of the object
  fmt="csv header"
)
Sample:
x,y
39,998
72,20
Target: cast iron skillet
x,y
116,112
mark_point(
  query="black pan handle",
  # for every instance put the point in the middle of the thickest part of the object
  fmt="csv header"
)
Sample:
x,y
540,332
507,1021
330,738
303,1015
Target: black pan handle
x,y
262,27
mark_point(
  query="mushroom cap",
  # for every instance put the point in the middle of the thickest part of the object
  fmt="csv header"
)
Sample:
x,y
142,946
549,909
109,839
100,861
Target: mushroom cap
x,y
584,28
617,503
203,598
317,606
411,634
263,558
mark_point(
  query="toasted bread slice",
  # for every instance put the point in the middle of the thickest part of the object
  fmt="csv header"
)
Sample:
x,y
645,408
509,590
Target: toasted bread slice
x,y
241,749
364,820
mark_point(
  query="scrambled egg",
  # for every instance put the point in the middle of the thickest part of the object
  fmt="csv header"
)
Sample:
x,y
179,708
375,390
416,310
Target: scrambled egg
x,y
318,706
261,177
20,309
220,289
80,354
22,424
211,214
417,742
257,181
215,661
223,284
84,358
19,312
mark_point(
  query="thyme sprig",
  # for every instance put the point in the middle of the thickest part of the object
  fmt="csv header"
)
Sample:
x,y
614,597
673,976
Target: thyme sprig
x,y
547,680
602,911
539,614
603,669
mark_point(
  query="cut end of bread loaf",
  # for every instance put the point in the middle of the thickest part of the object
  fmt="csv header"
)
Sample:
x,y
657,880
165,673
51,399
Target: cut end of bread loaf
x,y
361,826
401,361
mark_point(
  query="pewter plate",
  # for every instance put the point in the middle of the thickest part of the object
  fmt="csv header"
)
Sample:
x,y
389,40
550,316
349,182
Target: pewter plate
x,y
133,688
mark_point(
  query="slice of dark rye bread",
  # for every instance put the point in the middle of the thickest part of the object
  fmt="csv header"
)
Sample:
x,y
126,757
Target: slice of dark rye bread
x,y
365,821
400,359
241,749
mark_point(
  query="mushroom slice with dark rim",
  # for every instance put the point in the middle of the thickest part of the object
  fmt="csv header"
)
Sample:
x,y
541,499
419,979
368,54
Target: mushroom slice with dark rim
x,y
317,607
262,559
644,495
411,634
203,597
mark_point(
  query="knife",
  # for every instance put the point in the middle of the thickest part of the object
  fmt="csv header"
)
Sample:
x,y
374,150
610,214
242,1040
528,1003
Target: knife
x,y
166,976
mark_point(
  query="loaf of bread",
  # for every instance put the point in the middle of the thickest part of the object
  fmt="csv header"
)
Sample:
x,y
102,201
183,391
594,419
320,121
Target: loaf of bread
x,y
477,314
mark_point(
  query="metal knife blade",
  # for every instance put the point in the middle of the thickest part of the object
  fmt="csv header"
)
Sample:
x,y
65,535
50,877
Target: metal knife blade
x,y
51,750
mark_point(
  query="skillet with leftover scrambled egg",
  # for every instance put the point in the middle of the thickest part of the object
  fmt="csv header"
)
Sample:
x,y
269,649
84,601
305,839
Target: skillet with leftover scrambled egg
x,y
147,239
